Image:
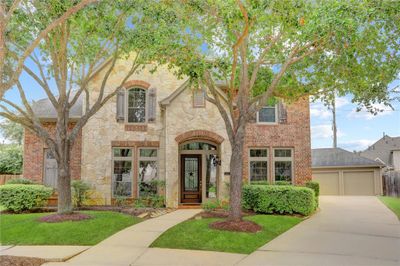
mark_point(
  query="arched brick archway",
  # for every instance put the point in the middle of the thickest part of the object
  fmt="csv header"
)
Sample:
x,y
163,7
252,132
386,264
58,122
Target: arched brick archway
x,y
138,83
200,134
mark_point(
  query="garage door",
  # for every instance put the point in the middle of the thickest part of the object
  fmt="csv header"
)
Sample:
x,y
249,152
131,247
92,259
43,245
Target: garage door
x,y
359,183
328,182
346,182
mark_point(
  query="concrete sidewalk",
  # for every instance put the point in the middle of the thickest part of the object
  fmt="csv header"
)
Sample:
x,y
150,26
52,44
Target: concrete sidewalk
x,y
49,253
128,245
346,231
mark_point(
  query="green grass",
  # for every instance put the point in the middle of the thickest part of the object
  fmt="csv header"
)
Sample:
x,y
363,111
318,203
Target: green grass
x,y
392,203
25,229
195,234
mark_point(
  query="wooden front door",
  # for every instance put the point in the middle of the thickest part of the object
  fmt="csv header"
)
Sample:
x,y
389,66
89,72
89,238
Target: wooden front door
x,y
191,178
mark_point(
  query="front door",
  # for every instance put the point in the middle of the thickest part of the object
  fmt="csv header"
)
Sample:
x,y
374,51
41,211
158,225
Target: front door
x,y
191,178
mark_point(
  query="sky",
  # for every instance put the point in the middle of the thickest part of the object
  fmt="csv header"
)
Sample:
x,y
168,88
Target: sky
x,y
356,130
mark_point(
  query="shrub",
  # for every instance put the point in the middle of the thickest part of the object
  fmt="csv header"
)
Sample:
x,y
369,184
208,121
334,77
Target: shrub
x,y
279,199
18,198
314,186
282,183
210,205
21,181
259,183
80,191
11,159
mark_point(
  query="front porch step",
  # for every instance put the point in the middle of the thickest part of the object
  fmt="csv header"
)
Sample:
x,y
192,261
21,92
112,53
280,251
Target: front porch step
x,y
189,206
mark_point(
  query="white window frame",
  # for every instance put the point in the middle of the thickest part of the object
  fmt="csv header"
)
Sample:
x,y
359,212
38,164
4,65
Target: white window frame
x,y
259,159
127,106
268,123
149,159
127,159
203,104
283,159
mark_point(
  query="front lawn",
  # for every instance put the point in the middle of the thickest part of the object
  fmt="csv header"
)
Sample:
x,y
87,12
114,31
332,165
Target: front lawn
x,y
392,203
25,229
195,234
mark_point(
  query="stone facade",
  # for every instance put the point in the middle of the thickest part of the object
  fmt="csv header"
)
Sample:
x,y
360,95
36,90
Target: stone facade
x,y
34,151
177,122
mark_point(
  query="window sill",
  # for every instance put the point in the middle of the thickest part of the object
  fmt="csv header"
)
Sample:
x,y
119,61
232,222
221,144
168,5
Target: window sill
x,y
137,128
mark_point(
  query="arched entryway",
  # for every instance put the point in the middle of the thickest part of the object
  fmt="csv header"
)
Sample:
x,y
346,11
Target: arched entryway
x,y
199,171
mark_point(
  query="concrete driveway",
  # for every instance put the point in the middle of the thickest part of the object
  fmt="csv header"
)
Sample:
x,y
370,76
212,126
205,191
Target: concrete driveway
x,y
346,231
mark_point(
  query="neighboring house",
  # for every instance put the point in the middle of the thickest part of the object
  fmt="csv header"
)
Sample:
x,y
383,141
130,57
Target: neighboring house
x,y
340,172
386,150
158,127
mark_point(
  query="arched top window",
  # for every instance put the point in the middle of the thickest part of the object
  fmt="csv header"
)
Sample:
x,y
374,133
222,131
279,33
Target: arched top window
x,y
136,105
197,146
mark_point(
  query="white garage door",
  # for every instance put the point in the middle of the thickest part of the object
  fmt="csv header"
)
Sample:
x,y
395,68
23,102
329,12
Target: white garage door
x,y
341,182
328,182
359,183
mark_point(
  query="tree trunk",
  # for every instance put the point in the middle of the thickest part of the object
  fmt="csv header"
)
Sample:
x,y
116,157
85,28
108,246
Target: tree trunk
x,y
64,187
236,179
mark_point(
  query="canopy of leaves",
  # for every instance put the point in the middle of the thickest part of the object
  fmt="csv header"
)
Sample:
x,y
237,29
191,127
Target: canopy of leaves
x,y
10,159
11,131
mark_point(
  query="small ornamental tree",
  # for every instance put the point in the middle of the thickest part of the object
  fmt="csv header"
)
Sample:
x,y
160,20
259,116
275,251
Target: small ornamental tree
x,y
264,50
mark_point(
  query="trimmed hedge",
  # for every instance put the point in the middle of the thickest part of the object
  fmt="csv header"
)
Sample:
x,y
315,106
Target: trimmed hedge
x,y
314,186
279,199
18,198
20,180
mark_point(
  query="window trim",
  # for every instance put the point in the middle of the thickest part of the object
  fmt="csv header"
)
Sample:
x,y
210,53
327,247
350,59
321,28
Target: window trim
x,y
146,120
204,99
268,123
148,159
259,159
127,159
283,159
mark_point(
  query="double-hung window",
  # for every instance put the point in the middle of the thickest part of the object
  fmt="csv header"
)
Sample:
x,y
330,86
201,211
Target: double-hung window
x,y
147,176
122,172
283,164
258,165
136,105
267,115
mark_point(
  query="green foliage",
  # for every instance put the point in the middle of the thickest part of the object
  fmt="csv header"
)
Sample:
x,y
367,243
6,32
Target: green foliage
x,y
150,201
20,198
282,183
314,186
80,191
259,183
24,229
149,195
279,199
12,131
211,205
11,159
21,181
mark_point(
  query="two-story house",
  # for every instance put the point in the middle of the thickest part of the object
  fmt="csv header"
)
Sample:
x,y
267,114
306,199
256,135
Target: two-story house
x,y
157,127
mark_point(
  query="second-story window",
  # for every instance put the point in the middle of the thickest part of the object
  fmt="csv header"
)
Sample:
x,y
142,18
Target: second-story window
x,y
267,115
136,105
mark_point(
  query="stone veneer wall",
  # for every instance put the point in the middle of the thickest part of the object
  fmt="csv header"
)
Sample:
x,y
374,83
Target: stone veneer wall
x,y
103,131
293,134
34,155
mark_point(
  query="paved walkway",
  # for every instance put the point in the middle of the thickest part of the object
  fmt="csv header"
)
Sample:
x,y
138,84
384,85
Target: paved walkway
x,y
347,231
49,253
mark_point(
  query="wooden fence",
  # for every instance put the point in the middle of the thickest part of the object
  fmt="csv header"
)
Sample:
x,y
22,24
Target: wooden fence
x,y
391,183
5,178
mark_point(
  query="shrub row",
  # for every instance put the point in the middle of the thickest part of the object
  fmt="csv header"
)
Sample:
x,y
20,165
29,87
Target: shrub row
x,y
18,197
279,199
20,180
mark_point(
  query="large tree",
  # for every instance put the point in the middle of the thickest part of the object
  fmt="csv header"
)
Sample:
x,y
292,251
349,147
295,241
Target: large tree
x,y
264,50
15,21
66,62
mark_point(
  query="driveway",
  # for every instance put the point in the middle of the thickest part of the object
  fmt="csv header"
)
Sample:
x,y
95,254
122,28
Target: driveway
x,y
346,231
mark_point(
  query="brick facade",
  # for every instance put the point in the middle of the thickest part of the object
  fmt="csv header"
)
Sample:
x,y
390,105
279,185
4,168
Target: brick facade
x,y
34,155
294,134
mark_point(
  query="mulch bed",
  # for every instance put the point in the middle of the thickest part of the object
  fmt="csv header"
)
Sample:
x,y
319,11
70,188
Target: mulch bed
x,y
241,226
20,261
219,214
58,218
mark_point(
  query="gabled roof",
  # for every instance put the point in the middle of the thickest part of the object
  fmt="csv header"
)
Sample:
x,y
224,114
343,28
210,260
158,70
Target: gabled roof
x,y
337,157
382,149
186,85
44,109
